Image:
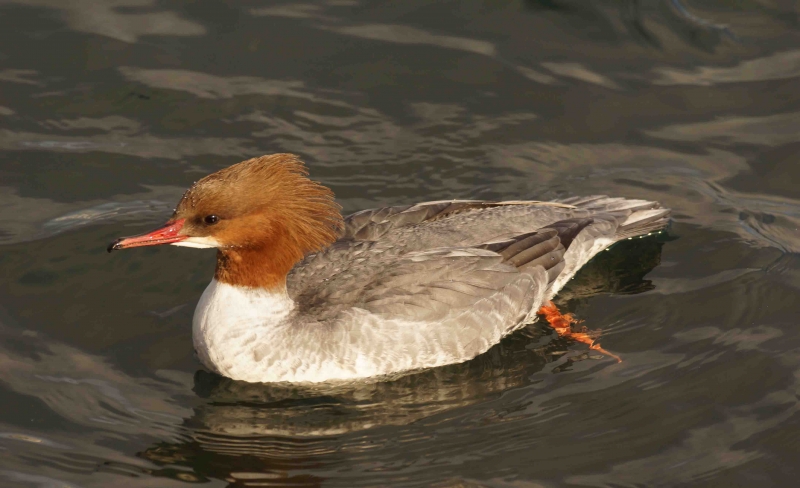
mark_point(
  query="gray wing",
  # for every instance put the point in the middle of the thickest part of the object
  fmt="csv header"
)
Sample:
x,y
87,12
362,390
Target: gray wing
x,y
418,285
377,244
432,285
425,285
397,312
371,224
425,308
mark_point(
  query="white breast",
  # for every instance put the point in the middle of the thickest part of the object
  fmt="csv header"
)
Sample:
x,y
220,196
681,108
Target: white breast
x,y
231,321
251,334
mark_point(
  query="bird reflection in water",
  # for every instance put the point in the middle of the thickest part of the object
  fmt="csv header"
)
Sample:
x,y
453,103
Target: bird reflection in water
x,y
268,434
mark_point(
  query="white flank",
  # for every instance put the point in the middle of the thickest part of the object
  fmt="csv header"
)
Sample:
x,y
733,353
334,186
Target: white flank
x,y
255,335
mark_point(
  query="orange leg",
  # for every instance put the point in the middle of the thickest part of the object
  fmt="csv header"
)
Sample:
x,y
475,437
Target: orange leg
x,y
562,324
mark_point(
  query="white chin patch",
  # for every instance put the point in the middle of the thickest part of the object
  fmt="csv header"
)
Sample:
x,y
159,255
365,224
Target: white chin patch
x,y
198,242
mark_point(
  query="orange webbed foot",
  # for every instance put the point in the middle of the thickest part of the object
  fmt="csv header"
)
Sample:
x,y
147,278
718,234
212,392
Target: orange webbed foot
x,y
562,324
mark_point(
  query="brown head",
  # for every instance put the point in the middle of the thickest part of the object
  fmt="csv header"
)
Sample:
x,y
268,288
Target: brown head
x,y
263,215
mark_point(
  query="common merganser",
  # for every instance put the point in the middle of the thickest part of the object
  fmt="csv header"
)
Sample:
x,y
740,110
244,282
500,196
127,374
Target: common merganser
x,y
301,294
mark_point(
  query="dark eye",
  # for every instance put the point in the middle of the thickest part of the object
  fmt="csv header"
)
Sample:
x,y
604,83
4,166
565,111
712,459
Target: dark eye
x,y
210,219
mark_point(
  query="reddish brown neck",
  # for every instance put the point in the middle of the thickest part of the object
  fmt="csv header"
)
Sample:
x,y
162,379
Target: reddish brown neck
x,y
254,267
264,265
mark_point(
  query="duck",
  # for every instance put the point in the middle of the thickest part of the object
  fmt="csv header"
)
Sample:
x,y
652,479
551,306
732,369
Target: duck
x,y
301,294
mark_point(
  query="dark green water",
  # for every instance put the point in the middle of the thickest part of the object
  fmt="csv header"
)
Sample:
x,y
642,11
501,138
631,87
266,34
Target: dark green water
x,y
109,109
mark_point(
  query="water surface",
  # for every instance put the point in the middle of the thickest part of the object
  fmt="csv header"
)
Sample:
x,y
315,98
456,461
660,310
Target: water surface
x,y
109,110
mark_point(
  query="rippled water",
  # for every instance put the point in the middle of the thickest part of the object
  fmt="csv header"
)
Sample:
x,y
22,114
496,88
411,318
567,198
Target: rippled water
x,y
108,110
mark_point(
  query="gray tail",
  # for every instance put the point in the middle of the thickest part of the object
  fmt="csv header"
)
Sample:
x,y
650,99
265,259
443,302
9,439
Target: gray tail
x,y
635,217
610,220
